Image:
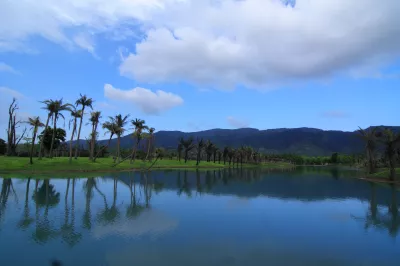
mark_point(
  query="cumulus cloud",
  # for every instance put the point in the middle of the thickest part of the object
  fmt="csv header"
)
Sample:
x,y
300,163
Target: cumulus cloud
x,y
6,68
55,20
263,43
237,122
223,43
146,100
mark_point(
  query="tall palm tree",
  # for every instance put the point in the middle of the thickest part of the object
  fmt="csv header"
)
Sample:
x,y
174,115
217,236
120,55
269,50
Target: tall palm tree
x,y
179,149
35,123
49,106
215,152
59,107
75,114
209,148
150,140
139,126
391,141
94,119
83,101
200,146
187,145
120,123
225,154
369,136
112,129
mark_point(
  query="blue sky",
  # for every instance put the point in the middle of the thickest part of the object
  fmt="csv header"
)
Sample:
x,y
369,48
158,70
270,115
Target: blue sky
x,y
237,64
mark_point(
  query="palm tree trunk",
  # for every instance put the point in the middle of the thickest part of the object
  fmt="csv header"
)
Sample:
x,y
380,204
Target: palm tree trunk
x,y
79,134
54,136
392,164
102,149
371,162
94,128
33,144
41,141
118,148
72,138
134,151
148,148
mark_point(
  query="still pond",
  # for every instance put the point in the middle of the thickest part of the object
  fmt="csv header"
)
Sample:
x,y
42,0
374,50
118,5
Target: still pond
x,y
249,217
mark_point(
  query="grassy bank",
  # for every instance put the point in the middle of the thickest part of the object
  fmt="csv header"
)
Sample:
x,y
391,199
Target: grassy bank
x,y
57,165
384,173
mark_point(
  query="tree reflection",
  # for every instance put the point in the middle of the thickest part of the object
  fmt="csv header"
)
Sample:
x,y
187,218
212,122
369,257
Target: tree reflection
x,y
109,215
378,218
68,230
88,187
26,220
199,187
46,196
6,188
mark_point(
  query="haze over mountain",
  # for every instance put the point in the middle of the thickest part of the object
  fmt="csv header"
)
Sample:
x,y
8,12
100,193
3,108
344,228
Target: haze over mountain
x,y
303,141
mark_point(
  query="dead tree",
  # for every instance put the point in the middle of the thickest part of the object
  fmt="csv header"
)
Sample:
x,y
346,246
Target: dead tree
x,y
12,138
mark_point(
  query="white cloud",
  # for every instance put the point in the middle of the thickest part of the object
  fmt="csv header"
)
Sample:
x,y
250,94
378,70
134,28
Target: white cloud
x,y
262,43
6,68
147,101
237,122
4,91
149,222
219,43
55,20
86,42
103,105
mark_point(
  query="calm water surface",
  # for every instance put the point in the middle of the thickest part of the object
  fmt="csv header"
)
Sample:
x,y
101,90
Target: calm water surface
x,y
180,218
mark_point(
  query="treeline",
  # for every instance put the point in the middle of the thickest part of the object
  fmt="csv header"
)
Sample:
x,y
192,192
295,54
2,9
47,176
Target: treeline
x,y
381,145
52,138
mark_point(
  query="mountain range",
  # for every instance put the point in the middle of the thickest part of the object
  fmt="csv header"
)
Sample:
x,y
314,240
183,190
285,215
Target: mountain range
x,y
302,141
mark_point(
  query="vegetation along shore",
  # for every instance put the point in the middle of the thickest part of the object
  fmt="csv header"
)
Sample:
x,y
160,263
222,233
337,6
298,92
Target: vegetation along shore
x,y
36,146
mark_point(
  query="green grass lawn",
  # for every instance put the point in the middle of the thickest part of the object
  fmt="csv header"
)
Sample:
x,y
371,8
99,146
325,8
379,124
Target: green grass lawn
x,y
384,173
46,165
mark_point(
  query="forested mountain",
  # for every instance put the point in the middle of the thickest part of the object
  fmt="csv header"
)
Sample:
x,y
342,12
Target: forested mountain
x,y
304,141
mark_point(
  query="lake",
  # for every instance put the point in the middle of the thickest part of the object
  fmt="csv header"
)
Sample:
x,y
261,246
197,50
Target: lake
x,y
309,216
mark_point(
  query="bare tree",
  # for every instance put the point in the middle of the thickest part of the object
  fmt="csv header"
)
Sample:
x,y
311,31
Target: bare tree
x,y
12,138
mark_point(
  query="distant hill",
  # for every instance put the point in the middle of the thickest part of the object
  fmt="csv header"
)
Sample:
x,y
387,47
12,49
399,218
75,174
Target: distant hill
x,y
304,141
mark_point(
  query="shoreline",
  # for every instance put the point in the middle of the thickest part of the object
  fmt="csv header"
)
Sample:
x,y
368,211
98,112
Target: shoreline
x,y
61,166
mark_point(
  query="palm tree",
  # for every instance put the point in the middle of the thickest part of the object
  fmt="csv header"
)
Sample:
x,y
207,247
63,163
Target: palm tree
x,y
215,152
187,145
225,154
94,119
50,109
35,123
139,127
369,136
200,146
209,149
111,128
151,140
120,123
179,149
84,101
75,114
59,107
390,140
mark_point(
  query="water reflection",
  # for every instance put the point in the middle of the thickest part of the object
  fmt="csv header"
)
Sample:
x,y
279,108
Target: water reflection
x,y
87,212
382,217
